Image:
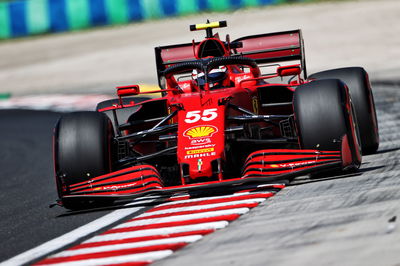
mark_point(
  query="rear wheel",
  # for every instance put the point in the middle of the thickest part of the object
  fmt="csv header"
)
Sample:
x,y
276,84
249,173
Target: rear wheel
x,y
356,78
82,149
324,117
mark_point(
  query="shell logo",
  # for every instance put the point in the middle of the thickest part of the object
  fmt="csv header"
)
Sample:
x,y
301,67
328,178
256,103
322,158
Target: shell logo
x,y
200,132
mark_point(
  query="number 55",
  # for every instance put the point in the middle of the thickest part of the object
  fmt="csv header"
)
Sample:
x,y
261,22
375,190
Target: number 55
x,y
207,115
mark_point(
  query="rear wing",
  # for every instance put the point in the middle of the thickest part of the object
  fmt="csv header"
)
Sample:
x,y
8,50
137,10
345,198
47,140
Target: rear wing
x,y
274,47
169,55
264,48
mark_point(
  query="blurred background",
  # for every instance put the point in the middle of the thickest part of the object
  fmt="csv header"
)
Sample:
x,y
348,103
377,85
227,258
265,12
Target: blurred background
x,y
91,46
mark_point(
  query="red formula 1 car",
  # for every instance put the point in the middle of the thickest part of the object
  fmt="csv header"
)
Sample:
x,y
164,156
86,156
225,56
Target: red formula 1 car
x,y
230,112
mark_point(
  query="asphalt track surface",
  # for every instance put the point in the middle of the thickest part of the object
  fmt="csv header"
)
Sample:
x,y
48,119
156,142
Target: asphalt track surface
x,y
27,183
333,221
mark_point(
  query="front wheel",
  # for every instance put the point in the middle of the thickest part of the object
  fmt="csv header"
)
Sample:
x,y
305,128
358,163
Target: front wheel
x,y
356,78
324,117
82,148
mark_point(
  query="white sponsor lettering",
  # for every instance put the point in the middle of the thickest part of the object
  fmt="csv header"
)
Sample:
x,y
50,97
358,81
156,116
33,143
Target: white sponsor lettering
x,y
239,79
207,154
296,164
200,141
200,147
116,187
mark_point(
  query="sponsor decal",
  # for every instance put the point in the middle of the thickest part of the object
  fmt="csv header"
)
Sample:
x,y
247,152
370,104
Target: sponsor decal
x,y
198,132
200,141
283,165
255,104
200,147
200,151
240,78
199,164
185,86
199,155
115,187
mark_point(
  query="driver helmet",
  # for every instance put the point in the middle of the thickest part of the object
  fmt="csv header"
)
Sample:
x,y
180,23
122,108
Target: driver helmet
x,y
215,77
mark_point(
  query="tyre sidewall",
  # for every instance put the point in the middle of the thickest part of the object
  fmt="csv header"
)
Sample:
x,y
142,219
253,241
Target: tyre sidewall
x,y
356,78
82,147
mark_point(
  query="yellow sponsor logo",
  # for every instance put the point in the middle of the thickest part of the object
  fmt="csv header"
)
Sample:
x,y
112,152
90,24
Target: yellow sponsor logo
x,y
200,151
200,132
255,105
274,165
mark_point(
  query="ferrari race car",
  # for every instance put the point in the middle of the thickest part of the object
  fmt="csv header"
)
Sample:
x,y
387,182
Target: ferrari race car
x,y
227,113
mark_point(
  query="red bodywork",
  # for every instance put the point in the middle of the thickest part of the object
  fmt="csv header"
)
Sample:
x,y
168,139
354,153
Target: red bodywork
x,y
200,126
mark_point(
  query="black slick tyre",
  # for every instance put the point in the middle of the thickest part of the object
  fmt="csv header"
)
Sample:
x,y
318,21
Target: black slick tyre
x,y
82,148
323,116
356,78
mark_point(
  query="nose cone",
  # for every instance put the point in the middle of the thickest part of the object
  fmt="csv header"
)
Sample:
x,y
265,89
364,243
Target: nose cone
x,y
201,135
200,165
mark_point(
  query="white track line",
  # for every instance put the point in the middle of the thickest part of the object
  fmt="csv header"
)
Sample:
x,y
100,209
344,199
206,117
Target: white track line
x,y
70,237
148,256
174,240
182,218
158,231
202,207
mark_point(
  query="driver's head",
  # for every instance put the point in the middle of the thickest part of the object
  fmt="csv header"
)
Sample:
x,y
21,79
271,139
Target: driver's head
x,y
215,77
198,77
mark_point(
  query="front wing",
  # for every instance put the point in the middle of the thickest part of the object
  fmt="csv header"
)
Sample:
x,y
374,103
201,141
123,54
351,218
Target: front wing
x,y
264,167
